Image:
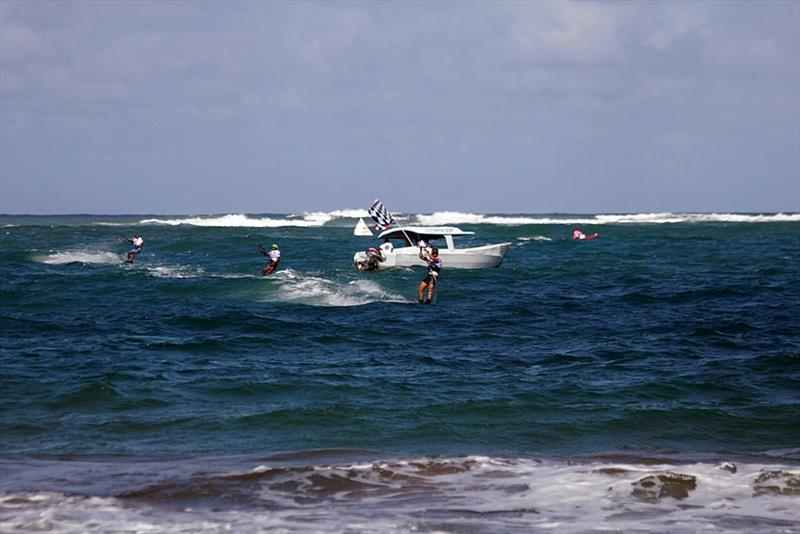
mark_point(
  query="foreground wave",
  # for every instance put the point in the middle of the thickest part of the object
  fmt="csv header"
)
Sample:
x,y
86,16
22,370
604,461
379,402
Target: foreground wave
x,y
343,491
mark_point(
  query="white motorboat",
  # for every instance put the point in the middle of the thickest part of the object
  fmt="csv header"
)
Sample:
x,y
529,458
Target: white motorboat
x,y
406,243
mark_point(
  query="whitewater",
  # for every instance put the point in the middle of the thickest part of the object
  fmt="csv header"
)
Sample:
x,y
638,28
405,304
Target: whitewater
x,y
318,219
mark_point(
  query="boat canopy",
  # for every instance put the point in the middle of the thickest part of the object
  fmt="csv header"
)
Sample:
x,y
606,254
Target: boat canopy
x,y
427,233
422,232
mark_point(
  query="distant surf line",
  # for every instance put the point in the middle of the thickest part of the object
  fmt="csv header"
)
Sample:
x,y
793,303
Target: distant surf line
x,y
319,219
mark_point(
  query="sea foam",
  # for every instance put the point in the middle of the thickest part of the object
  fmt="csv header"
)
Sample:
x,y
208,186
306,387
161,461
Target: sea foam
x,y
535,238
79,256
320,291
175,271
470,494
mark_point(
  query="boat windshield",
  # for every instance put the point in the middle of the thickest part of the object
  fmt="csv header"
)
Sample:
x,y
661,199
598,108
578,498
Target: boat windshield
x,y
413,236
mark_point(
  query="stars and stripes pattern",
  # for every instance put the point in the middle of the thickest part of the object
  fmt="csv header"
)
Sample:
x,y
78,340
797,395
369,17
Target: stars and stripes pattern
x,y
381,215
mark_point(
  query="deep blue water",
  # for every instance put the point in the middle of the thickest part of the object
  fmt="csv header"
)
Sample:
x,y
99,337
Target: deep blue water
x,y
680,338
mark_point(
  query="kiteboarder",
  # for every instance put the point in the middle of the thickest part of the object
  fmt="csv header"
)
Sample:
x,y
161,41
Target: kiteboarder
x,y
578,235
274,256
137,243
434,269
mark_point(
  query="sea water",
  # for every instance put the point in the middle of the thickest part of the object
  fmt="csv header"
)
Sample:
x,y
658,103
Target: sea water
x,y
648,380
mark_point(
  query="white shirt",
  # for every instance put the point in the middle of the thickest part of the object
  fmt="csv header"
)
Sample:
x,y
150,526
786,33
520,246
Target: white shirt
x,y
386,248
137,242
274,255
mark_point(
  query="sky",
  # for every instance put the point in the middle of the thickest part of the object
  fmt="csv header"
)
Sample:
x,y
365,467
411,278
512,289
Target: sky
x,y
208,107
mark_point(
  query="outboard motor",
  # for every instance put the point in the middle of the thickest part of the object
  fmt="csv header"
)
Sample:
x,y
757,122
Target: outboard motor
x,y
374,257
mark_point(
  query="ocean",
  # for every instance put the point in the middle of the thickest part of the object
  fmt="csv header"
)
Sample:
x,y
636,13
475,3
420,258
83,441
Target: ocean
x,y
644,381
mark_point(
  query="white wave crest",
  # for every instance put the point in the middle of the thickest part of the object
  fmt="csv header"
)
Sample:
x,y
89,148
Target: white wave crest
x,y
175,271
347,213
244,221
454,217
239,220
319,291
535,238
80,256
234,276
666,218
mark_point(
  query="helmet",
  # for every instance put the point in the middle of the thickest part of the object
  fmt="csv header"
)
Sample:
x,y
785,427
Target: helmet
x,y
435,252
274,245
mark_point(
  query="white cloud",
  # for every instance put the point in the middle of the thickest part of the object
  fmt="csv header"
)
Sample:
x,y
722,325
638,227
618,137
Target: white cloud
x,y
574,32
750,54
671,22
20,44
455,87
332,34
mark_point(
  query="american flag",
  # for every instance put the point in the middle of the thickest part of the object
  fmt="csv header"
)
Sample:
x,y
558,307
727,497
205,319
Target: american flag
x,y
381,215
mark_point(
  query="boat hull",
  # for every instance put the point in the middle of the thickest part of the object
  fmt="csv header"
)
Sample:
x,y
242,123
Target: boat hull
x,y
483,257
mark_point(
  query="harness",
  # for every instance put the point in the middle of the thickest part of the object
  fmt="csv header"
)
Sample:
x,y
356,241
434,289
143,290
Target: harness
x,y
434,268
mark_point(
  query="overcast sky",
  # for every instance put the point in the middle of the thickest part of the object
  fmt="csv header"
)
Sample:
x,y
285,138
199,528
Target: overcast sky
x,y
491,107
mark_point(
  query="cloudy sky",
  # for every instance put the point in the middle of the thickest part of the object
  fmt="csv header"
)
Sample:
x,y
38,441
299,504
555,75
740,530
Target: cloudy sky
x,y
491,107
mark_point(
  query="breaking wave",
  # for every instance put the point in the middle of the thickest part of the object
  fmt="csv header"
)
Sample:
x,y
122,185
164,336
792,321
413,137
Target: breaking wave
x,y
453,217
467,494
245,221
343,214
311,219
239,220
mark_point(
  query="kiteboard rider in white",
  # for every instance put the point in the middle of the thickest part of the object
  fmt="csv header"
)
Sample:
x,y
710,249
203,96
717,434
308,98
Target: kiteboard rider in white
x,y
434,268
274,256
137,243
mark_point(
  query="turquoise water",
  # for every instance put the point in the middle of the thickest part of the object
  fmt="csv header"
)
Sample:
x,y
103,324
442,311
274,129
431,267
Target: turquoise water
x,y
671,340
